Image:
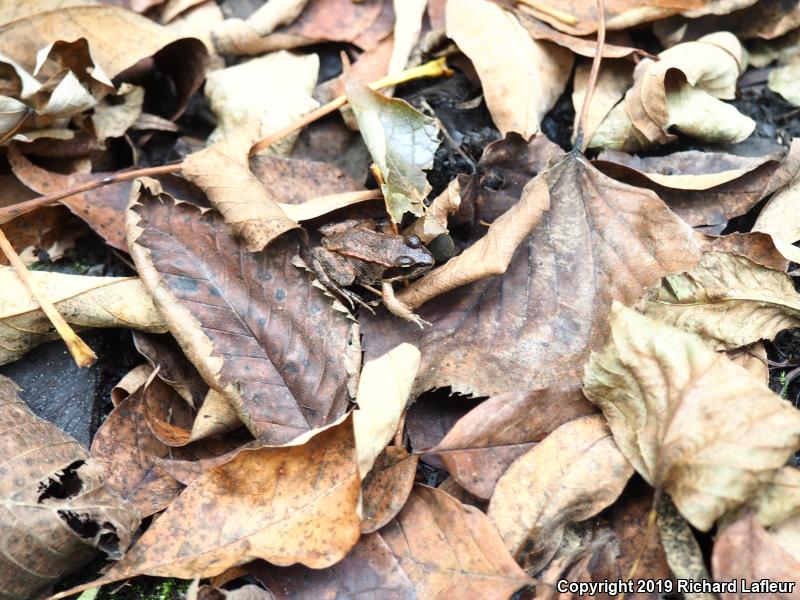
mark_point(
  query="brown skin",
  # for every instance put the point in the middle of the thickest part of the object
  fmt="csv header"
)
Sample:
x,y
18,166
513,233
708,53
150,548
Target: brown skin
x,y
359,254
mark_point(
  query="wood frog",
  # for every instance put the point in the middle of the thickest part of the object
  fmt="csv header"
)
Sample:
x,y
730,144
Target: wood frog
x,y
356,252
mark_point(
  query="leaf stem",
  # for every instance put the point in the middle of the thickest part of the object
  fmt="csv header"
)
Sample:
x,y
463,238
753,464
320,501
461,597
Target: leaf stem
x,y
434,68
580,143
81,353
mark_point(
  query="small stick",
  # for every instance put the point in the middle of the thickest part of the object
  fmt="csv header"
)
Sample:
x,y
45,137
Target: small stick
x,y
434,68
81,353
560,15
580,145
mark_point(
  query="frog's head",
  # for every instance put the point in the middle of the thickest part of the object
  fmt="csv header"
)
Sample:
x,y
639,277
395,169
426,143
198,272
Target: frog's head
x,y
412,257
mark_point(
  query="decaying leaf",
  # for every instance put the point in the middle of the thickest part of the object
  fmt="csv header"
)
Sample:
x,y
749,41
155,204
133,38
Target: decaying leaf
x,y
571,475
683,91
222,172
779,218
780,498
482,444
383,389
273,90
387,486
56,507
559,270
522,78
662,429
402,142
285,505
613,80
783,80
407,29
745,552
83,301
252,324
728,300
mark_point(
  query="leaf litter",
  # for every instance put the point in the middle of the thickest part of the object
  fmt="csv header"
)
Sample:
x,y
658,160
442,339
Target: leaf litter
x,y
527,364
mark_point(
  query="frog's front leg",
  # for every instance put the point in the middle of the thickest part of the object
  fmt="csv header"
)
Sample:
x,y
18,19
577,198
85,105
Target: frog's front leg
x,y
335,272
398,307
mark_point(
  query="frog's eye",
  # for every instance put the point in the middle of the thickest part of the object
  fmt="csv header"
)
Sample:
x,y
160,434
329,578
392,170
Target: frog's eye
x,y
413,241
403,261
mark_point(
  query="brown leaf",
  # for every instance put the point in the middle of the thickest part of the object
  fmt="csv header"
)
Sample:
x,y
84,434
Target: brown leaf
x,y
165,356
282,504
294,180
779,217
118,39
753,358
613,80
727,300
222,172
535,323
703,188
571,475
745,553
82,300
57,508
482,444
387,486
780,498
521,77
582,46
662,390
125,446
252,324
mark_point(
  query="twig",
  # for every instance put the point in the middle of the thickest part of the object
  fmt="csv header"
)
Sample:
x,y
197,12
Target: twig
x,y
434,68
83,355
598,57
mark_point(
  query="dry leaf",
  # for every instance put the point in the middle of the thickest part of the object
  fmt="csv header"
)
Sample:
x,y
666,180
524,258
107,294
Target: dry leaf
x,y
752,358
252,324
222,172
744,552
728,300
535,324
613,80
783,80
521,77
780,218
387,486
273,90
288,504
662,391
571,475
125,447
780,498
383,389
82,300
407,29
402,142
56,507
295,181
482,444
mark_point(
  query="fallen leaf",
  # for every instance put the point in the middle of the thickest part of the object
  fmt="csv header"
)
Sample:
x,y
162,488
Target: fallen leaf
x,y
273,90
783,80
112,120
571,475
663,429
83,301
230,308
752,358
779,218
387,487
535,323
744,552
481,445
407,29
57,508
582,46
287,504
383,389
728,300
613,80
402,142
780,498
448,548
295,181
593,561
125,447
522,78
166,358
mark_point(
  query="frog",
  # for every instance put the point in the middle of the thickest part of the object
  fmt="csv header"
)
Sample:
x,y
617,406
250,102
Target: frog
x,y
358,252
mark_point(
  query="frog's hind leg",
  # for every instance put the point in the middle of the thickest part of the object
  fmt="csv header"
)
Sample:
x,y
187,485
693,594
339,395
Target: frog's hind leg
x,y
399,308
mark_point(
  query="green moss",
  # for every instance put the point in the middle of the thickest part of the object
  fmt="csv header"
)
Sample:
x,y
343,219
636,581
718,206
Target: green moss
x,y
145,588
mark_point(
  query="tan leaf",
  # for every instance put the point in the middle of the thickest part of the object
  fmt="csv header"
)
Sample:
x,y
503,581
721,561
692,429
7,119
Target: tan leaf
x,y
383,390
521,77
282,504
752,358
223,173
483,443
56,507
113,120
434,222
728,300
387,486
745,553
407,29
613,80
273,90
780,498
662,390
571,475
254,326
780,218
82,300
